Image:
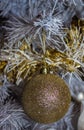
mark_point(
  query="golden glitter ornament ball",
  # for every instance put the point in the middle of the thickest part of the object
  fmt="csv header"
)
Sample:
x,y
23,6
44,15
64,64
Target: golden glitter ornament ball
x,y
46,98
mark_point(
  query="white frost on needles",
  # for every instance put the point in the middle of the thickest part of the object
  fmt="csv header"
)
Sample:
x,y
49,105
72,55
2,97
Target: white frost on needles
x,y
21,27
53,27
4,90
51,24
12,117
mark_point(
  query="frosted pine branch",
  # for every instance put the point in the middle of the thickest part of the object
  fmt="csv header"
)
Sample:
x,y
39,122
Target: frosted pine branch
x,y
12,117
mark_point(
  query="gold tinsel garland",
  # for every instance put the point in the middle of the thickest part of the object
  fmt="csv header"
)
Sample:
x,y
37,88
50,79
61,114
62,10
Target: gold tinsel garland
x,y
18,63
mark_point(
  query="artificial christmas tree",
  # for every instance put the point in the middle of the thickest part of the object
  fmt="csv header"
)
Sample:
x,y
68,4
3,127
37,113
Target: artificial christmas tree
x,y
43,44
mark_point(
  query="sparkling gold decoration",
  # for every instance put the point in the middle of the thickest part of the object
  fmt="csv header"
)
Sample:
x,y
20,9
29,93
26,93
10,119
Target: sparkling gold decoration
x,y
46,98
2,66
26,60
